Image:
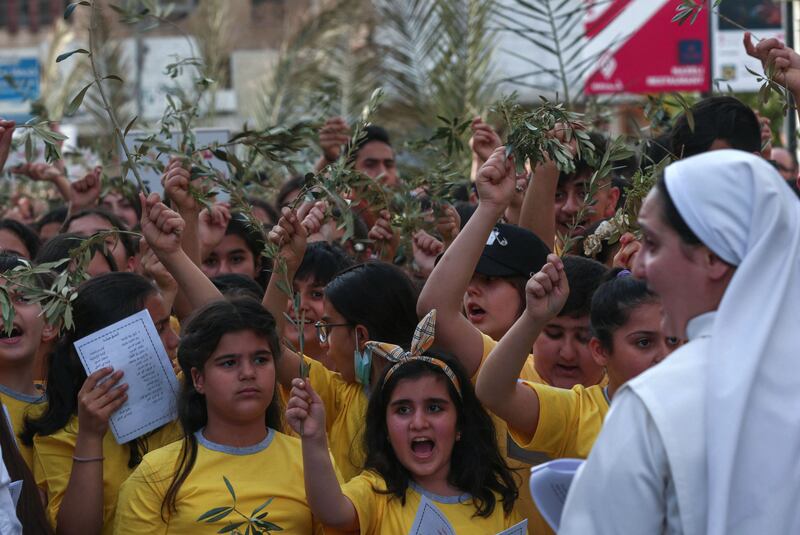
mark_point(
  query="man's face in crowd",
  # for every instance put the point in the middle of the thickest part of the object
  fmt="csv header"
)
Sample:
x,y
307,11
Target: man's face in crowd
x,y
571,199
376,159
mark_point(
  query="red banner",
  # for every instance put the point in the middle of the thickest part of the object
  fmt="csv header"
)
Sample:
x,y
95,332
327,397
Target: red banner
x,y
640,50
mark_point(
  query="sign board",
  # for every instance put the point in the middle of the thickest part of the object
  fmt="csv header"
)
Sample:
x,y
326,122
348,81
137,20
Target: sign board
x,y
638,49
764,19
204,137
19,85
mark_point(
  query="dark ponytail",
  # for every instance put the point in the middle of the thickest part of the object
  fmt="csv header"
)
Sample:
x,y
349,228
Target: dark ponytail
x,y
613,302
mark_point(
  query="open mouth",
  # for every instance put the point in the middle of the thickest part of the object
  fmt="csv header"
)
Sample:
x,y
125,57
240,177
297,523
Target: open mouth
x,y
568,370
16,332
422,447
475,313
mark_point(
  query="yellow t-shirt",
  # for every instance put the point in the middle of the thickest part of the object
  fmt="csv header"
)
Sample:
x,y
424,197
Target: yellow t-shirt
x,y
270,470
19,406
384,513
52,465
569,420
345,410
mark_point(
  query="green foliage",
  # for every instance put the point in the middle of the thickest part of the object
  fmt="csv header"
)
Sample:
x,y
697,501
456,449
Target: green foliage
x,y
55,300
529,137
255,523
552,27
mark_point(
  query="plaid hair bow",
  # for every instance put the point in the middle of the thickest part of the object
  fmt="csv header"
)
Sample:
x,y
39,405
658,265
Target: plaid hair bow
x,y
422,341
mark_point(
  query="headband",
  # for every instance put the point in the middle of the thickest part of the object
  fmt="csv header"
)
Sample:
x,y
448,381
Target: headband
x,y
422,341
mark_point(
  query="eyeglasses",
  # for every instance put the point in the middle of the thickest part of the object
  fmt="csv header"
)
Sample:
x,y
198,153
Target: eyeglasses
x,y
324,330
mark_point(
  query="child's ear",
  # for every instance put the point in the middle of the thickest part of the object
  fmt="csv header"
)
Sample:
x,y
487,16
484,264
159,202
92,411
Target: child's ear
x,y
198,380
363,336
49,333
599,353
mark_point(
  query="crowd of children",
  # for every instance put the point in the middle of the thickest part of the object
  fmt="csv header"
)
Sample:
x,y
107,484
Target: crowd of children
x,y
336,388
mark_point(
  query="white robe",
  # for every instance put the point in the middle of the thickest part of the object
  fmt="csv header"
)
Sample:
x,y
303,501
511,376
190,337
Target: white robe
x,y
646,474
9,525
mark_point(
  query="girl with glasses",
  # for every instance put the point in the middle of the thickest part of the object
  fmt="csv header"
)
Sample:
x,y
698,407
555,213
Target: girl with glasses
x,y
368,301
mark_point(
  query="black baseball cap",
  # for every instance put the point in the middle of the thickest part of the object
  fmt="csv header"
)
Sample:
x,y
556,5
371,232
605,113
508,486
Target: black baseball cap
x,y
512,251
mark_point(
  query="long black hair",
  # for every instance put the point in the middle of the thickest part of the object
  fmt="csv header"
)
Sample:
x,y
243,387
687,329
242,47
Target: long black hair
x,y
613,302
199,339
101,301
476,465
379,296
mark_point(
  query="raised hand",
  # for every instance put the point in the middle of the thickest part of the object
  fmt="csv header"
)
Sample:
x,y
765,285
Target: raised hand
x,y
546,291
6,133
161,227
305,412
484,139
176,180
39,171
333,134
312,216
771,52
496,180
85,192
385,238
212,227
426,248
629,248
448,224
290,235
98,401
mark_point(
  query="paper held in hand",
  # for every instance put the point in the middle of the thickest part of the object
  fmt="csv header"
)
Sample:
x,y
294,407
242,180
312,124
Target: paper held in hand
x,y
430,520
550,484
133,346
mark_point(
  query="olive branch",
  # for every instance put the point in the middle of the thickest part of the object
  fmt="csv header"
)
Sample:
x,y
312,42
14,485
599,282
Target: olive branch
x,y
255,523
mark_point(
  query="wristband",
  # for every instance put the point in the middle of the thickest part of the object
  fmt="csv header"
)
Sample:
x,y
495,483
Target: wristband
x,y
86,459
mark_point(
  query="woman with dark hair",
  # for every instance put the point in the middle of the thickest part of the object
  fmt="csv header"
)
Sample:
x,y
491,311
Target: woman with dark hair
x,y
371,301
426,435
77,461
18,239
230,412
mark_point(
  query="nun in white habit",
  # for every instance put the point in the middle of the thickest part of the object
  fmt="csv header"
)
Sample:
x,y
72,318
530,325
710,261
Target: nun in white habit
x,y
708,441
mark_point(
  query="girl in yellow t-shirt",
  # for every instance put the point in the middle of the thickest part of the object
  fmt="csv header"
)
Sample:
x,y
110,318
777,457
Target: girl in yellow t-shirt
x,y
426,435
233,467
76,459
370,301
627,339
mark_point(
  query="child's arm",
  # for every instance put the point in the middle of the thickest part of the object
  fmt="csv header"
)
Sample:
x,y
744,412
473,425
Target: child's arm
x,y
162,228
305,413
538,211
290,234
497,386
81,509
447,283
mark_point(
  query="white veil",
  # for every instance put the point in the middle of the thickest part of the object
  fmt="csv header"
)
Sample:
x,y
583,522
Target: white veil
x,y
739,207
